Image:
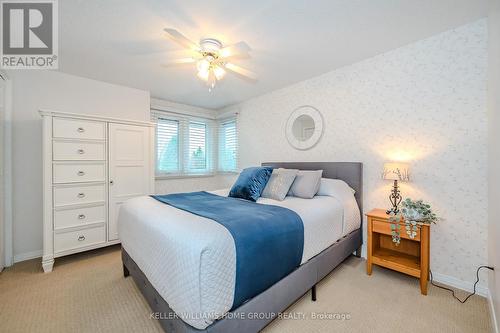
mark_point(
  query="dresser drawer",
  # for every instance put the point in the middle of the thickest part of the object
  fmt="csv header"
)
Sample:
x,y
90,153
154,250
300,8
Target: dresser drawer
x,y
73,173
76,195
77,239
78,129
80,216
78,151
382,227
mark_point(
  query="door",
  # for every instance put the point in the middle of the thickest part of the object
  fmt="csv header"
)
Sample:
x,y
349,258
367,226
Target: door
x,y
130,169
2,174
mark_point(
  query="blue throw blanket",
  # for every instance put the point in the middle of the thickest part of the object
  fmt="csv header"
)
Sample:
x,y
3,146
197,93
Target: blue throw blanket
x,y
269,239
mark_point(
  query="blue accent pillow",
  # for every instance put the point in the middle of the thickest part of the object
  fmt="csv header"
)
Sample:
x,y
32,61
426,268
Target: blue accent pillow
x,y
251,183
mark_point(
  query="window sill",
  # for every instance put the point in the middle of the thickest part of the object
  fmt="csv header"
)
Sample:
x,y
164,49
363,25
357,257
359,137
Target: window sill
x,y
207,175
228,173
167,177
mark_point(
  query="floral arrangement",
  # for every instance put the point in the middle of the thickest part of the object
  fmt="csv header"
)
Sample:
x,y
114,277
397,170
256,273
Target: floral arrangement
x,y
415,213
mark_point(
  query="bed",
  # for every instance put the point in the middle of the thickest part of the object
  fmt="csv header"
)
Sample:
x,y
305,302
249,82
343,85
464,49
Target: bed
x,y
191,264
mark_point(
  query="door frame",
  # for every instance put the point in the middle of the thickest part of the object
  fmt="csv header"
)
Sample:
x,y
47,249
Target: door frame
x,y
8,259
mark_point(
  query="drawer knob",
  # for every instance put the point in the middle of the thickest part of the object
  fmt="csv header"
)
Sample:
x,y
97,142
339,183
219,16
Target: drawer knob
x,y
81,216
81,195
80,129
81,173
80,151
81,238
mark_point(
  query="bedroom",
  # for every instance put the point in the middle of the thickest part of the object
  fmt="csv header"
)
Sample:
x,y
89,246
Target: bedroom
x,y
327,115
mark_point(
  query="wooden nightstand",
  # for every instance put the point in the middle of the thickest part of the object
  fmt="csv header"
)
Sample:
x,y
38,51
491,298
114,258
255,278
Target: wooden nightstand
x,y
411,256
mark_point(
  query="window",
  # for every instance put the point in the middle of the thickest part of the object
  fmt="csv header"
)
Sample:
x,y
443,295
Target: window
x,y
228,145
184,145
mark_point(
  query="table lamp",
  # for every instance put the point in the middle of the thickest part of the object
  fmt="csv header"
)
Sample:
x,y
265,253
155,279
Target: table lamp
x,y
396,171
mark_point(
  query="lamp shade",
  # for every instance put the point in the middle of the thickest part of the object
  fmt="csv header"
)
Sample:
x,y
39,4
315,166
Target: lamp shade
x,y
396,171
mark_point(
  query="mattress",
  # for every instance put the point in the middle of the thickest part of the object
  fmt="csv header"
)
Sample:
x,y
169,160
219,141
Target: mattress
x,y
191,260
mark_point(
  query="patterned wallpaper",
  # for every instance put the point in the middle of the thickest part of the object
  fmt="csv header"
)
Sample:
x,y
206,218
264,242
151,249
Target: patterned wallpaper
x,y
424,103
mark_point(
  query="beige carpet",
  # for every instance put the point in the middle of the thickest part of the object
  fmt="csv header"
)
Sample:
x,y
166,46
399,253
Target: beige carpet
x,y
87,293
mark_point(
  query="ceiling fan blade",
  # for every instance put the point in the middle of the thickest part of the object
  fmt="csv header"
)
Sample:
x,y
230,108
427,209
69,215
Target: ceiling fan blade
x,y
181,39
181,61
141,47
235,50
241,71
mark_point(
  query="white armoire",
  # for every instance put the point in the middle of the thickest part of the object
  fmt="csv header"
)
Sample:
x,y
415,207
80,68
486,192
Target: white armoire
x,y
91,165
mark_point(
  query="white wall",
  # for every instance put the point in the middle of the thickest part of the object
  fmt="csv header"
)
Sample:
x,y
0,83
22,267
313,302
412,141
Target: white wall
x,y
494,153
424,103
33,90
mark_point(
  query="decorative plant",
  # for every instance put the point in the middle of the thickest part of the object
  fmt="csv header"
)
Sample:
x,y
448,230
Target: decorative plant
x,y
415,213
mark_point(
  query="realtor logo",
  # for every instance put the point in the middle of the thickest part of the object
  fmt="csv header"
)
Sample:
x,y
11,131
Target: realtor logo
x,y
29,34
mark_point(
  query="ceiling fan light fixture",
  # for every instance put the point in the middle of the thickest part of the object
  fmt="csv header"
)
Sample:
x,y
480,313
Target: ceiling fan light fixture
x,y
203,74
203,65
219,72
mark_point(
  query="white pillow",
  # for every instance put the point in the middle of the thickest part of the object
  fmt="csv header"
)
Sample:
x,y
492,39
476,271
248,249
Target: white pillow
x,y
280,182
335,188
306,184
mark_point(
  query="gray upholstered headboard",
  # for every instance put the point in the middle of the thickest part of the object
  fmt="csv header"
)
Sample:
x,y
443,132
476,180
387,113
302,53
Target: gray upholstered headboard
x,y
350,172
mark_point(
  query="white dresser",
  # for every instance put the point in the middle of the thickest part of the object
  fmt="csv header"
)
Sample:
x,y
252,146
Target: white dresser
x,y
91,166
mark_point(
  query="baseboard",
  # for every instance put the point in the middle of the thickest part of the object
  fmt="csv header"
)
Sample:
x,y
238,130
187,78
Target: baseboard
x,y
460,284
494,322
27,256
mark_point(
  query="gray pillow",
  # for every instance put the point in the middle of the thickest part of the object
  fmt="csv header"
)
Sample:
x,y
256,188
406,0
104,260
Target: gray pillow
x,y
278,185
306,184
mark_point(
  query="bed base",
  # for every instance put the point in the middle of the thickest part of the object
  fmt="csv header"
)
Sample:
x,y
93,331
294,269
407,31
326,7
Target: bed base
x,y
270,302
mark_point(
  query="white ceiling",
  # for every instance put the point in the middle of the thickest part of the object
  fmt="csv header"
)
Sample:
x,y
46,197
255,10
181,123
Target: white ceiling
x,y
121,41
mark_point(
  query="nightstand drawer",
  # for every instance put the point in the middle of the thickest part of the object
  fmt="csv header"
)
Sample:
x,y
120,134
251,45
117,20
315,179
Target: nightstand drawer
x,y
383,227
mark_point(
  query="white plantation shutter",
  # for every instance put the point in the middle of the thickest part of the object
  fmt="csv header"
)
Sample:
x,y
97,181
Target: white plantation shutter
x,y
167,146
199,144
184,144
197,150
228,145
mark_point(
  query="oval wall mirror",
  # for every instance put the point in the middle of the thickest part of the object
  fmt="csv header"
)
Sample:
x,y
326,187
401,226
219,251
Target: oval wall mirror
x,y
304,127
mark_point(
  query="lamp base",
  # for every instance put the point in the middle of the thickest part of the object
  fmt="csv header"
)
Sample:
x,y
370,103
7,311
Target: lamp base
x,y
395,199
392,210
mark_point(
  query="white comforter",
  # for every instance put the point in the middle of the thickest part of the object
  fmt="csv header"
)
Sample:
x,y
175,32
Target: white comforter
x,y
191,260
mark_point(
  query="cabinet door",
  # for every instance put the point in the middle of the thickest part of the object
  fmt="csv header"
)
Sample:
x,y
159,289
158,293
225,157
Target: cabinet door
x,y
130,168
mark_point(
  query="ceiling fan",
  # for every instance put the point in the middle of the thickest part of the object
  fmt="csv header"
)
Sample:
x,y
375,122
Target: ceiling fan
x,y
212,58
